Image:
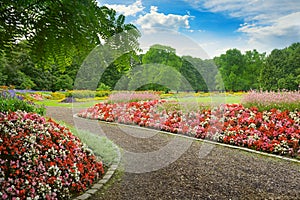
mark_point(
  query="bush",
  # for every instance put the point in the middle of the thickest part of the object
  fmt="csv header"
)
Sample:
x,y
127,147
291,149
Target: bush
x,y
103,93
103,87
57,95
81,94
63,82
12,104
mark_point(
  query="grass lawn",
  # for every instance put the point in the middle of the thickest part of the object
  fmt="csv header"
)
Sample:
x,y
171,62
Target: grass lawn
x,y
210,99
56,103
101,146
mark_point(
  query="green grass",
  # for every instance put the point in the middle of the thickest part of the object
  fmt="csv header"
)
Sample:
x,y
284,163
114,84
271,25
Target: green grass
x,y
56,103
209,99
101,146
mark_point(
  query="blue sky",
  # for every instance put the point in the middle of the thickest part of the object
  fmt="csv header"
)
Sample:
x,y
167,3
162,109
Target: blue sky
x,y
207,28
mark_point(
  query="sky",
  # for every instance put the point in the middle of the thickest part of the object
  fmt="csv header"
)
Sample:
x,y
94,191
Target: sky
x,y
208,28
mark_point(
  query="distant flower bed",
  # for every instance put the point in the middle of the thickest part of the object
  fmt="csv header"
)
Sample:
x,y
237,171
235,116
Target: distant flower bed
x,y
269,131
10,102
40,159
132,96
264,100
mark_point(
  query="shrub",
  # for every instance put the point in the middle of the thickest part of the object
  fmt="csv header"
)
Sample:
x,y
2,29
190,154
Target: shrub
x,y
103,93
103,87
10,103
80,94
14,104
57,95
63,82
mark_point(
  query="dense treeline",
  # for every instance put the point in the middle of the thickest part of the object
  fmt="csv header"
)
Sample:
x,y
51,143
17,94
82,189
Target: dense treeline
x,y
253,70
232,71
45,44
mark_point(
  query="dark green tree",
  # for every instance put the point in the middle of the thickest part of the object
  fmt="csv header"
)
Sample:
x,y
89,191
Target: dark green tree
x,y
282,69
162,55
61,33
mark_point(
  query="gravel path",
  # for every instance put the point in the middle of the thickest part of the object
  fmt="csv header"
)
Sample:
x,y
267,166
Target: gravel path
x,y
159,166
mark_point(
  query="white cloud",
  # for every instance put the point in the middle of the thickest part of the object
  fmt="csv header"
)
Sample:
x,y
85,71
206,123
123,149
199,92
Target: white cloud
x,y
258,10
268,24
130,10
154,20
284,31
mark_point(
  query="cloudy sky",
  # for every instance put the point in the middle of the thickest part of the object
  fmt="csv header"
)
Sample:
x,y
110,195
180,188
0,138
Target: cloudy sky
x,y
207,28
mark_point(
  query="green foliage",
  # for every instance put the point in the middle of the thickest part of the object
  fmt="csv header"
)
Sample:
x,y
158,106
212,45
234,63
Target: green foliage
x,y
102,93
81,94
199,73
103,87
239,72
57,95
162,55
282,69
14,104
63,82
49,39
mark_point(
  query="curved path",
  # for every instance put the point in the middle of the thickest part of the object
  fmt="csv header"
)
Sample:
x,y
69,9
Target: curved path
x,y
202,171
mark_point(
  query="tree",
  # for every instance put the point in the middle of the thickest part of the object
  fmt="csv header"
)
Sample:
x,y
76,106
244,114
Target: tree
x,y
62,33
282,69
162,55
193,70
254,62
63,82
232,65
240,71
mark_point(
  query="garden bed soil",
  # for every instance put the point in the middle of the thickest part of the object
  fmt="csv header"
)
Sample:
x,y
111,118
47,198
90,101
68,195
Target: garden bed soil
x,y
224,173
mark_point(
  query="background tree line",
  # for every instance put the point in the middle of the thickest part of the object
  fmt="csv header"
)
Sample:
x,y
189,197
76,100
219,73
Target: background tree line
x,y
43,44
232,71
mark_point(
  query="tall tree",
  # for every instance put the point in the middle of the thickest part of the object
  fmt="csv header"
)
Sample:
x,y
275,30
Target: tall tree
x,y
231,64
254,63
62,32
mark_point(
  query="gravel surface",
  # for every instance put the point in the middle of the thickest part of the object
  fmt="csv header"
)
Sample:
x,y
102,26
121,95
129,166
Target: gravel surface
x,y
160,166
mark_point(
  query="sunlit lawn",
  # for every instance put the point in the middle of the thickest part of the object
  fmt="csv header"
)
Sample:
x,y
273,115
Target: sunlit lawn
x,y
208,98
213,99
56,103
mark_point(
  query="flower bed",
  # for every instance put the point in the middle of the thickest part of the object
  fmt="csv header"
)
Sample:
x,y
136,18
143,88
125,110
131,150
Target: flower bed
x,y
264,100
132,96
270,131
40,159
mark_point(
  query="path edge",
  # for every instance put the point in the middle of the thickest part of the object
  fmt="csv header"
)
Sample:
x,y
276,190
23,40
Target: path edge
x,y
107,176
203,140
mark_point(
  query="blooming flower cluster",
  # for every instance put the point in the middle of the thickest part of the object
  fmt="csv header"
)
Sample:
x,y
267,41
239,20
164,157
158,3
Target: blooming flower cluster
x,y
270,131
40,159
264,100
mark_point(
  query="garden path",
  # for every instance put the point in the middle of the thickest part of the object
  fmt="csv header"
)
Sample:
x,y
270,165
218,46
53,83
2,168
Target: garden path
x,y
202,171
